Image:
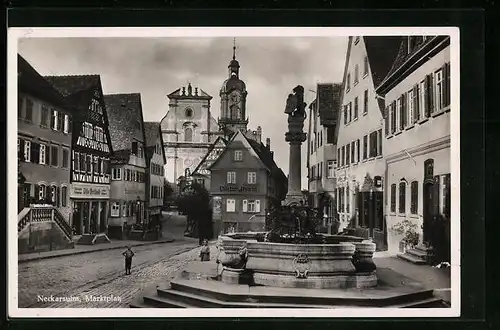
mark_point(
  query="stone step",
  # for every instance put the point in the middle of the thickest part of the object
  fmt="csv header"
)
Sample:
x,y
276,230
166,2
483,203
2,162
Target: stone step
x,y
162,302
290,297
410,258
433,302
417,253
423,248
200,301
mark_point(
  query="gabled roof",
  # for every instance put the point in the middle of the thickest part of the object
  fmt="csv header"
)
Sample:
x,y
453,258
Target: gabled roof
x,y
381,52
152,132
30,81
67,85
123,111
266,157
202,162
328,103
197,93
407,56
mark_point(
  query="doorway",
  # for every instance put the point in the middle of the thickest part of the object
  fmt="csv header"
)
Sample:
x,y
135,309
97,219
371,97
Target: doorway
x,y
427,204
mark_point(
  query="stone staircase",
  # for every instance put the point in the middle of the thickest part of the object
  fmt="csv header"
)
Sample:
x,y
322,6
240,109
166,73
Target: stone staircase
x,y
420,255
43,228
193,289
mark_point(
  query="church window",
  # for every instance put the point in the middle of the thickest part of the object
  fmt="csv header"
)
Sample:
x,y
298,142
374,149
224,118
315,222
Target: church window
x,y
188,135
235,112
188,113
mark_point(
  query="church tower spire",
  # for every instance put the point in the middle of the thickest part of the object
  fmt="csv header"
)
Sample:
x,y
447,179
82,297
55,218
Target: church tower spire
x,y
233,99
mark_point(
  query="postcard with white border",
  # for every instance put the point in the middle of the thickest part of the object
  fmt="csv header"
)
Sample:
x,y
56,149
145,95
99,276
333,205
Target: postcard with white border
x,y
239,171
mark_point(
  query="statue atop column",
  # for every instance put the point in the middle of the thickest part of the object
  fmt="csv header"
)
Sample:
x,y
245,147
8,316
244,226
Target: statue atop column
x,y
295,108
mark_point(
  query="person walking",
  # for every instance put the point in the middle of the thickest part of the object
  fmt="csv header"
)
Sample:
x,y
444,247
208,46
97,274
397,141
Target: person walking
x,y
128,254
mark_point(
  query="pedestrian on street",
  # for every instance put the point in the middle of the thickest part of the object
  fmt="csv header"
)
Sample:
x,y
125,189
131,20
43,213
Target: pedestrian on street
x,y
128,254
205,251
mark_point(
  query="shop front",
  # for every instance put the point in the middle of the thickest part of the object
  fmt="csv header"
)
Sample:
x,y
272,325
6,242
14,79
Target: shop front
x,y
90,204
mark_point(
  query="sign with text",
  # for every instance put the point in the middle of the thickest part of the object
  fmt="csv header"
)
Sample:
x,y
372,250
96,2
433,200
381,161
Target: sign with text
x,y
79,190
241,189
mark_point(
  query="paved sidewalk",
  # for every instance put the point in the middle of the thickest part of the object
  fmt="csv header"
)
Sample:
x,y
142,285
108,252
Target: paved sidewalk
x,y
80,249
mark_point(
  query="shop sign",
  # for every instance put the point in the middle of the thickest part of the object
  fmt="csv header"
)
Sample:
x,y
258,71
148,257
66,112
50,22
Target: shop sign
x,y
242,189
79,190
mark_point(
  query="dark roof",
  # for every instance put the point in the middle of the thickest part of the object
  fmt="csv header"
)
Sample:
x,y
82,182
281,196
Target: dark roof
x,y
123,111
67,85
266,157
152,133
30,81
403,53
381,52
328,103
201,163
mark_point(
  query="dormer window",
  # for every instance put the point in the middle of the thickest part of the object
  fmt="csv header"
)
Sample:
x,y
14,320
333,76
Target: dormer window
x,y
238,155
188,113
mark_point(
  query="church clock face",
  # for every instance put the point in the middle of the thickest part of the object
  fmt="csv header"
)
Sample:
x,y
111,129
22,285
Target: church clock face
x,y
235,98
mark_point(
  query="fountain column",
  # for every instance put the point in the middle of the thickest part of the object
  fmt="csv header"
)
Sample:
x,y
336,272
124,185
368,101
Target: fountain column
x,y
295,108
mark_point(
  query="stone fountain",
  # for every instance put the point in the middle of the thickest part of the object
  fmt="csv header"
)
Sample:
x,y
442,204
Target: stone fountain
x,y
290,265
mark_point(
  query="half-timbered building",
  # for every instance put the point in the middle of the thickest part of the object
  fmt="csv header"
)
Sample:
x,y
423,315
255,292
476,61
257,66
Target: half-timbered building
x,y
90,156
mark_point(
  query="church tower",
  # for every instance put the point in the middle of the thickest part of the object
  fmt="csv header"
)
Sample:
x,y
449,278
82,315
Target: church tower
x,y
233,96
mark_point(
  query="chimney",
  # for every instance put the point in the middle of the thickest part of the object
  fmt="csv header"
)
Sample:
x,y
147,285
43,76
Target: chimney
x,y
259,134
268,144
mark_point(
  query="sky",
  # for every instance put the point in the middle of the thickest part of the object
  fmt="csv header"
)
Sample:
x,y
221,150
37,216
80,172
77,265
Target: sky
x,y
154,67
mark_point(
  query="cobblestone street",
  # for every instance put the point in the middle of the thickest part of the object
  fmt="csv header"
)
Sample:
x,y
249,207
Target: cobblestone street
x,y
100,274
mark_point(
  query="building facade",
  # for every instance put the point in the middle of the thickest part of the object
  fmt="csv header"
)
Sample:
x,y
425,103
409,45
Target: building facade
x,y
188,130
128,203
245,182
44,141
201,173
90,155
155,177
321,149
360,137
417,135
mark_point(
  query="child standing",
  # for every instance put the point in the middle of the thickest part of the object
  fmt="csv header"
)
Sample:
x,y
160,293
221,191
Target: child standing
x,y
205,251
128,254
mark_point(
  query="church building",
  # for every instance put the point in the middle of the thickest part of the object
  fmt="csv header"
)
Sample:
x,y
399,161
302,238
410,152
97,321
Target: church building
x,y
188,130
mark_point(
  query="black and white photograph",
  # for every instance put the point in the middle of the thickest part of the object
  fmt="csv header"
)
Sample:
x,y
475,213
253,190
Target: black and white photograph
x,y
238,171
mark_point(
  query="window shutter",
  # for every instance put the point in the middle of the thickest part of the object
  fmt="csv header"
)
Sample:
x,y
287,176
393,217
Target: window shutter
x,y
429,95
446,85
58,197
36,192
245,205
70,124
52,121
48,155
257,206
33,157
386,120
228,177
436,209
60,121
394,116
416,110
21,149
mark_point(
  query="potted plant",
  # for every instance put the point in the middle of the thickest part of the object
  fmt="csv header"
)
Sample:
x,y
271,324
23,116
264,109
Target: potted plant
x,y
408,230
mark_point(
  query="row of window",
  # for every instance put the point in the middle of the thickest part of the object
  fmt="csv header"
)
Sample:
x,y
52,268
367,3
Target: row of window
x,y
51,194
50,118
93,132
441,196
350,153
158,149
86,163
247,205
430,96
157,169
349,114
42,153
137,149
128,175
128,209
317,141
316,171
356,74
251,177
157,192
